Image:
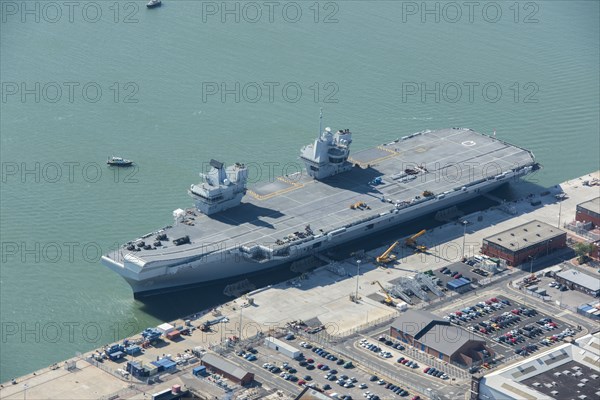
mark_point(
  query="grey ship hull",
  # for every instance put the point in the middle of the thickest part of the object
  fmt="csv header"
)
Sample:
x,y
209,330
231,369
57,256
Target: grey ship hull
x,y
267,229
226,266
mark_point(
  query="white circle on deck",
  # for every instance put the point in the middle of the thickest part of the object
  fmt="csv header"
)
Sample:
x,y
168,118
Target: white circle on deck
x,y
468,143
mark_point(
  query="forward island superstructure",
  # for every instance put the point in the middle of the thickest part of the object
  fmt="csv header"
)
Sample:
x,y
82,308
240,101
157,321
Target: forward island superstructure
x,y
234,231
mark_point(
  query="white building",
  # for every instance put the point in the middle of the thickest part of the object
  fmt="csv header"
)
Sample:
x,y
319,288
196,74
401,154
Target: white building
x,y
567,371
282,347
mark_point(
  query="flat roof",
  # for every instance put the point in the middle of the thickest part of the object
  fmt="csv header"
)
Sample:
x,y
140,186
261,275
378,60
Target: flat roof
x,y
312,394
282,344
567,381
591,205
581,279
567,372
224,365
522,236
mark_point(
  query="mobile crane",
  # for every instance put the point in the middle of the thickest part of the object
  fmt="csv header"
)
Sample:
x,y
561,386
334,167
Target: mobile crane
x,y
412,241
388,299
386,257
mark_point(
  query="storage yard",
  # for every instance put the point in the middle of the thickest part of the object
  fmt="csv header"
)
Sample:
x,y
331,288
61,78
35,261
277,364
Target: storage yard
x,y
336,329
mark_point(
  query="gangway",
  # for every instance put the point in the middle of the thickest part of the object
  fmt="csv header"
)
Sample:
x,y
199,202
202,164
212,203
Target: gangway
x,y
427,280
398,291
415,287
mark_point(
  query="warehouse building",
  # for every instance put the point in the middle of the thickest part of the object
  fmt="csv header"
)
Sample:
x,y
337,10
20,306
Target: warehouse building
x,y
531,240
439,338
579,281
589,211
228,369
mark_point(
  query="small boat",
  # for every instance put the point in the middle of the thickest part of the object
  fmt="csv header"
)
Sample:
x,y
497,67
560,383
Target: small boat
x,y
154,3
119,162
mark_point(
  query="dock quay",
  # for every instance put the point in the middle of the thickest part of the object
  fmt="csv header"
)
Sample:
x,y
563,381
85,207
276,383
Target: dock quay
x,y
341,306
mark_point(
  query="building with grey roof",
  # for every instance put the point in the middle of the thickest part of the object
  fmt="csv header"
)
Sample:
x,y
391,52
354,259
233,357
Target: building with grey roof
x,y
579,281
312,394
226,368
519,244
589,211
439,338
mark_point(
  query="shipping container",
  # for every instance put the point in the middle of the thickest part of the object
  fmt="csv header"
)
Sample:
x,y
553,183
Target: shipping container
x,y
116,355
173,335
151,369
132,350
159,366
201,370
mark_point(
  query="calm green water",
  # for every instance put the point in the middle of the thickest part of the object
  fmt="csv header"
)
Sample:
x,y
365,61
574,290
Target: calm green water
x,y
171,61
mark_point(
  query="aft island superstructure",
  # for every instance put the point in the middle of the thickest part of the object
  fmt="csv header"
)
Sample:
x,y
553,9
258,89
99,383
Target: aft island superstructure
x,y
233,230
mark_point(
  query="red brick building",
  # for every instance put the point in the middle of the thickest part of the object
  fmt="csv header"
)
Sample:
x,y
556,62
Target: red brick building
x,y
589,211
532,239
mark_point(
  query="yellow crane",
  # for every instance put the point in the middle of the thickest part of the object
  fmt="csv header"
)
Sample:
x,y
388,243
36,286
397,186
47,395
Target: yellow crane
x,y
386,257
359,205
412,241
388,299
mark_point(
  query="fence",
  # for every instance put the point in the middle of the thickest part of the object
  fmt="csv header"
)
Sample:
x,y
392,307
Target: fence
x,y
383,370
325,339
366,326
582,229
107,369
123,393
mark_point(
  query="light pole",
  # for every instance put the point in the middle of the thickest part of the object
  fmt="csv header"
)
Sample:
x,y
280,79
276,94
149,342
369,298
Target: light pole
x,y
531,265
25,386
240,334
357,274
464,236
559,211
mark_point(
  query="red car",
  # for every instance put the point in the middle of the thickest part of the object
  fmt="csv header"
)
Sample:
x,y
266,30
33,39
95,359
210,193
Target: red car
x,y
301,382
310,360
494,300
483,330
319,366
417,397
426,369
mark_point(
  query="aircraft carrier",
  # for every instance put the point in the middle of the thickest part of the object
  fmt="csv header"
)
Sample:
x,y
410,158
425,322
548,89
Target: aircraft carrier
x,y
232,230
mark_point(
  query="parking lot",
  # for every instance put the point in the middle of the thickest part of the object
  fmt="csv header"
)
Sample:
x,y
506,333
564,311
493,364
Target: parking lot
x,y
320,368
411,360
570,298
510,327
449,272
